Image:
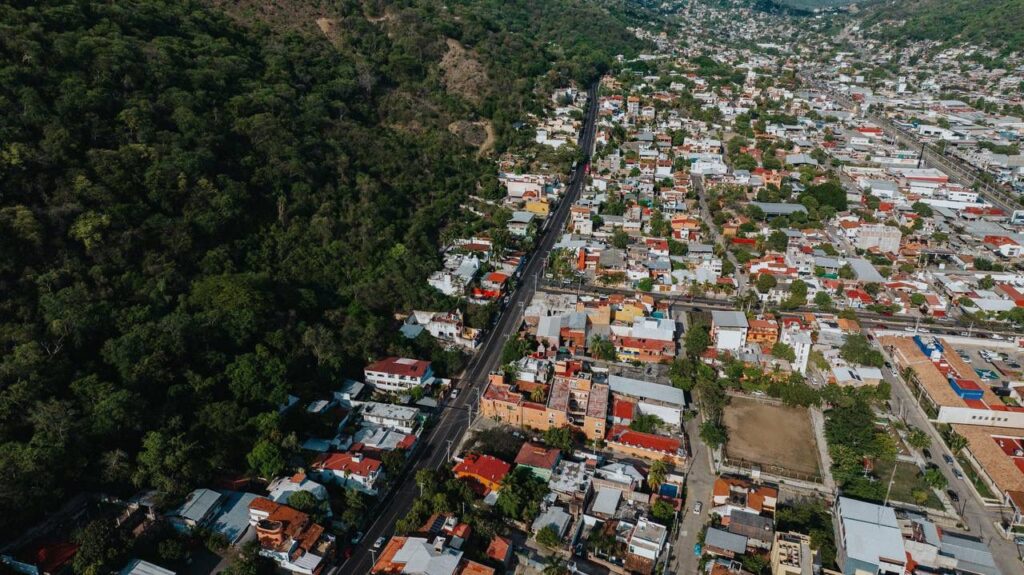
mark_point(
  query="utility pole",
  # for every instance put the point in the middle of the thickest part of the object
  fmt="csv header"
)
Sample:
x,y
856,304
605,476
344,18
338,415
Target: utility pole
x,y
448,450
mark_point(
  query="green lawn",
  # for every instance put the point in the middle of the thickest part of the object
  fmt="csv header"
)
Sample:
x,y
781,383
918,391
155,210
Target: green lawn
x,y
971,474
907,480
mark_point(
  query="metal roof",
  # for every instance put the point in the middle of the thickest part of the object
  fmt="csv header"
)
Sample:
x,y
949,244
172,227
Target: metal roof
x,y
647,390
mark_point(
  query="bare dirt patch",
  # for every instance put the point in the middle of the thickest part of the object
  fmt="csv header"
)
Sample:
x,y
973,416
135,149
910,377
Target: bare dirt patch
x,y
775,437
479,134
464,75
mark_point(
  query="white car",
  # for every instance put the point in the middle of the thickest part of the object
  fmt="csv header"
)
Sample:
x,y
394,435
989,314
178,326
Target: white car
x,y
697,507
379,543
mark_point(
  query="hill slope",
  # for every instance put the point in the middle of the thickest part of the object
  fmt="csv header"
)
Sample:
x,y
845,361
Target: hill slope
x,y
998,23
201,212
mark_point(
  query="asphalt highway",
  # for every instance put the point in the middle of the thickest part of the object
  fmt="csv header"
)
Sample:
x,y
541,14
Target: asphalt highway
x,y
433,451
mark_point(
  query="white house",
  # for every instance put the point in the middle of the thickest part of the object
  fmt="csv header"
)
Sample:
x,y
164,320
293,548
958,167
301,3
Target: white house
x,y
398,374
350,469
728,330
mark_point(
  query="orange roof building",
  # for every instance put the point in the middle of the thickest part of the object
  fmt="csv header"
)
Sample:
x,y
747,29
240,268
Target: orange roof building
x,y
484,472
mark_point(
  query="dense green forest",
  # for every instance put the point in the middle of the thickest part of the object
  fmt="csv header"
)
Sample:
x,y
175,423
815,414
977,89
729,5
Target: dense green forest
x,y
998,23
202,211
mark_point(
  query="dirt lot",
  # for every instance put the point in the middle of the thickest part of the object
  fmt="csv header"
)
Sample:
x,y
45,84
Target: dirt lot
x,y
776,437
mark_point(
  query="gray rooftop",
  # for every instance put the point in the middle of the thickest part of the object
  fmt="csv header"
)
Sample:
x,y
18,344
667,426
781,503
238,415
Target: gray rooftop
x,y
779,208
140,567
865,271
198,504
607,501
646,390
725,540
729,318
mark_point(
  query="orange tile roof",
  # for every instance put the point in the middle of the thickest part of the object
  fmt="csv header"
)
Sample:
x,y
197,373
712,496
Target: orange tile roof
x,y
538,456
498,549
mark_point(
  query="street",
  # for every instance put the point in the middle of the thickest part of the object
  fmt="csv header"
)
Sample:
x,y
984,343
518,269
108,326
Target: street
x,y
979,519
699,481
705,213
454,420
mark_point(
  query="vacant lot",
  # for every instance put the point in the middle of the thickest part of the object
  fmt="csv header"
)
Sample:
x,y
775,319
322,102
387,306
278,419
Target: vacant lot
x,y
778,438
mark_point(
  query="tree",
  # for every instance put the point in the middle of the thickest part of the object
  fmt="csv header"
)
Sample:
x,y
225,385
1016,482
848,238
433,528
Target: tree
x,y
548,537
917,438
823,300
663,512
777,241
917,299
100,547
765,283
713,434
620,239
656,474
515,348
602,348
846,272
266,459
797,295
986,282
646,423
858,349
555,565
956,442
520,495
250,562
560,437
696,340
934,478
783,351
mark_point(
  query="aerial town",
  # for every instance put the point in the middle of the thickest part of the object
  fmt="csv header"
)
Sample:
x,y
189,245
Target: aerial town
x,y
751,303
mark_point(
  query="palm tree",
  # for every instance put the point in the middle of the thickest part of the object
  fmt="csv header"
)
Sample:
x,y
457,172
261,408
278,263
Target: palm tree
x,y
656,475
556,566
956,442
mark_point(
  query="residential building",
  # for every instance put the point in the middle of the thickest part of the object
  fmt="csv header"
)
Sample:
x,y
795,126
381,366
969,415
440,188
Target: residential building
x,y
400,417
869,539
649,446
881,236
140,567
422,556
290,537
282,488
483,472
645,544
728,330
740,494
350,469
398,374
539,459
800,341
792,555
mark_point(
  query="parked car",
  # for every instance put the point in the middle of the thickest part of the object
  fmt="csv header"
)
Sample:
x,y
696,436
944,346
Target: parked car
x,y
379,543
455,393
958,474
947,459
927,454
357,537
697,507
953,496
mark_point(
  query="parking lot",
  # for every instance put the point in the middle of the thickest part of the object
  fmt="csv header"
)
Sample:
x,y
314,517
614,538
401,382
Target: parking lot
x,y
993,366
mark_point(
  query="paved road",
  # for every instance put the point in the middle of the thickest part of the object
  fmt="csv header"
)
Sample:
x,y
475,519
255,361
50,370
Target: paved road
x,y
454,420
980,519
738,275
699,481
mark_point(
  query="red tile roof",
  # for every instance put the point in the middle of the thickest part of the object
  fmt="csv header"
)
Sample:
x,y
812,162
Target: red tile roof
x,y
354,463
537,456
498,549
400,366
626,436
485,466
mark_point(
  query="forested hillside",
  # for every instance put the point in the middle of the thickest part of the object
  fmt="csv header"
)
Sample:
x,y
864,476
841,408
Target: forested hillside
x,y
203,211
998,23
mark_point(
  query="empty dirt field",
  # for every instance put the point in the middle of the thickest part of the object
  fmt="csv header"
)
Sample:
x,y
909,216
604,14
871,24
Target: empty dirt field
x,y
777,438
